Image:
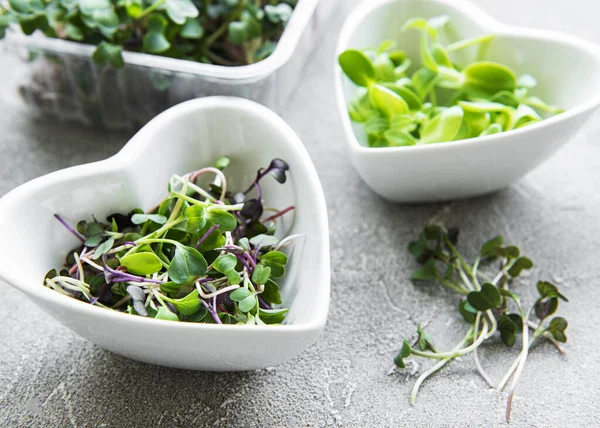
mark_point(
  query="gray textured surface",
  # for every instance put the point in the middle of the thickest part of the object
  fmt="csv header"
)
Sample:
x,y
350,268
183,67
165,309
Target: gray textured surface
x,y
50,377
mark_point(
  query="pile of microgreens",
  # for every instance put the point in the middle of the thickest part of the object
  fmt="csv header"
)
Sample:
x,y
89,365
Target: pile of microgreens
x,y
487,304
201,255
224,32
440,101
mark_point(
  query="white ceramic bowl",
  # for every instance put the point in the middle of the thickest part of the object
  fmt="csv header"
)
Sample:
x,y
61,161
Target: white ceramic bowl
x,y
567,69
182,139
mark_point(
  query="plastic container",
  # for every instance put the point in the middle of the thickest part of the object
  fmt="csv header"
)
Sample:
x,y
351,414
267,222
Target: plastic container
x,y
63,82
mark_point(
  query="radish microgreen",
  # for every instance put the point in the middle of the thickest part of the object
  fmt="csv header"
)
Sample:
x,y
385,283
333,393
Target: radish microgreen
x,y
487,304
200,255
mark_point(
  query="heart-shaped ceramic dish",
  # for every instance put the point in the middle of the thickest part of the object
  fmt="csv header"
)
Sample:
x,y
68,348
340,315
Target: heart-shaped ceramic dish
x,y
567,69
182,139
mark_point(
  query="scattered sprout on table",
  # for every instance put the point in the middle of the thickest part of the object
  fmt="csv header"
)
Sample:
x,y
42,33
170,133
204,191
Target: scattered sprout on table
x,y
200,255
488,304
439,101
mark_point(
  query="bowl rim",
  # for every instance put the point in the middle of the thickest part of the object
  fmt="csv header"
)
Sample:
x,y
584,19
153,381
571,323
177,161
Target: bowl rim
x,y
284,49
122,159
475,14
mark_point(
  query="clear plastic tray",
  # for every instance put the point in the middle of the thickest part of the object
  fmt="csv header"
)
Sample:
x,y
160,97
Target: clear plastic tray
x,y
63,82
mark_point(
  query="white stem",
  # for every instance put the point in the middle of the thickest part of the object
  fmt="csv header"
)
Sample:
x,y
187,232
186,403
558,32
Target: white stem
x,y
214,293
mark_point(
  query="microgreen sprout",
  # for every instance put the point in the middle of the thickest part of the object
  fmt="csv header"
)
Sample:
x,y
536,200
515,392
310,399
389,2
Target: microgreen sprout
x,y
487,303
439,101
223,32
195,257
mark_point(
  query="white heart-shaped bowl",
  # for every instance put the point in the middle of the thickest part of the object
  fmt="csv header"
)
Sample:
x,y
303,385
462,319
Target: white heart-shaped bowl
x,y
567,69
182,139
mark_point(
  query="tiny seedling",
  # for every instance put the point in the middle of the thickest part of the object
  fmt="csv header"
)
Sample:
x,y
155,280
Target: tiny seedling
x,y
487,303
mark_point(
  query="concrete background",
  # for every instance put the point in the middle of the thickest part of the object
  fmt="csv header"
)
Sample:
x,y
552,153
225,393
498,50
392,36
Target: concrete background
x,y
49,377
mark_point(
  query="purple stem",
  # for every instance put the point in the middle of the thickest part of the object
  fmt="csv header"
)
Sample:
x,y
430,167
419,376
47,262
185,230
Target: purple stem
x,y
113,275
212,311
207,234
129,243
243,261
69,228
250,260
258,191
264,304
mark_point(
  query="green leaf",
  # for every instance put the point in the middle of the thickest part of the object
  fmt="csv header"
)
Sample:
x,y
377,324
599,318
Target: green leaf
x,y
424,81
225,263
155,42
179,10
272,316
187,305
222,163
482,106
199,316
509,326
187,263
237,32
264,240
376,124
37,21
271,293
20,6
412,100
226,221
467,311
491,248
107,53
239,294
427,271
104,247
403,122
385,70
525,115
488,298
549,290
540,105
557,328
387,101
425,341
247,304
143,218
546,307
261,274
134,8
358,67
244,243
519,265
141,263
275,260
107,21
494,128
200,218
165,314
93,241
397,138
404,353
192,30
279,13
489,77
443,127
